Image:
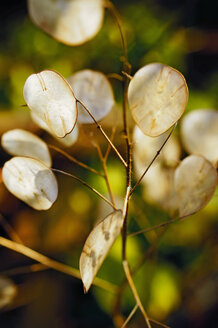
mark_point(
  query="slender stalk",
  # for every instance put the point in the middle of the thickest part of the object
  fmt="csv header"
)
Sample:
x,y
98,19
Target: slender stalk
x,y
115,76
103,162
152,161
115,14
26,251
109,146
74,160
158,226
135,293
159,323
10,230
126,69
85,184
141,261
130,316
25,269
127,75
99,127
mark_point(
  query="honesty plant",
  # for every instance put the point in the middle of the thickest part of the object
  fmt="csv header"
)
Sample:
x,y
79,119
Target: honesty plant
x,y
157,96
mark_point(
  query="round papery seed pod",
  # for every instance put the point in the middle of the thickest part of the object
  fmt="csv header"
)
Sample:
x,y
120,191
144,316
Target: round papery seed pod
x,y
50,97
71,22
97,246
195,182
94,90
31,181
20,142
158,96
199,131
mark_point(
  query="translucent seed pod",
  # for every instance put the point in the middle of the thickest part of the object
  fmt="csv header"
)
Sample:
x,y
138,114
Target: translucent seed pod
x,y
158,96
31,181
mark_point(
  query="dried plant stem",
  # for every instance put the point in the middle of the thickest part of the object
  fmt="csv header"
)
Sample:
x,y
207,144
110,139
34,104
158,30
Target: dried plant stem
x,y
135,293
85,184
154,158
109,146
104,166
115,14
158,226
126,69
53,264
115,76
74,160
25,269
130,316
141,261
159,323
99,127
10,231
127,75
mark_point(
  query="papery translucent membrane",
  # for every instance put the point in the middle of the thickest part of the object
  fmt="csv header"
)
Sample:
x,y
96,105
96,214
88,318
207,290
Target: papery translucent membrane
x,y
158,182
51,98
72,22
95,92
19,142
8,291
158,96
199,130
97,246
195,182
145,148
31,181
69,140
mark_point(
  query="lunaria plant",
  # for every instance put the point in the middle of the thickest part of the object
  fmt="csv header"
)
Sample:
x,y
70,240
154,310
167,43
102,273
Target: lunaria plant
x,y
157,96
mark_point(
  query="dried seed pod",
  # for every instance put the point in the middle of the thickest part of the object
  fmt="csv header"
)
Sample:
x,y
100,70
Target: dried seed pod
x,y
51,98
93,89
31,181
199,130
68,141
97,246
158,96
195,182
71,22
158,181
19,142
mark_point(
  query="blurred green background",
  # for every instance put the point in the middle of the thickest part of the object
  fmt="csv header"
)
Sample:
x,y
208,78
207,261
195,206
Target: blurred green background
x,y
178,276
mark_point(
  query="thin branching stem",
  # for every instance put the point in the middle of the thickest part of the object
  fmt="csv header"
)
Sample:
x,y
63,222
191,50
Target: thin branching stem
x,y
126,69
115,76
99,127
135,293
26,251
135,269
115,14
85,184
25,269
158,226
152,161
74,160
109,146
159,323
130,316
127,75
106,177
